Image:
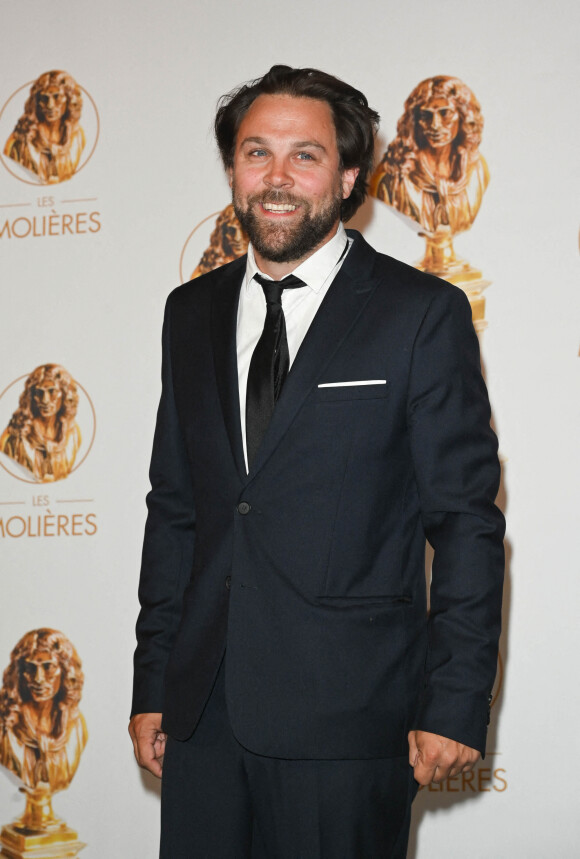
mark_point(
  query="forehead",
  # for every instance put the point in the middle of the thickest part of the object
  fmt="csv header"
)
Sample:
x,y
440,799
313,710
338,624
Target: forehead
x,y
47,382
51,89
286,117
438,102
39,656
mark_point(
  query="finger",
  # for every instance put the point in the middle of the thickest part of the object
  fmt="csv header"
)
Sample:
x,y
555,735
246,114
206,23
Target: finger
x,y
159,745
423,773
468,766
456,770
443,773
147,759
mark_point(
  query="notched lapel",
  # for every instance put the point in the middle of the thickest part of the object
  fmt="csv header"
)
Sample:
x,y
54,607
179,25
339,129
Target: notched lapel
x,y
338,313
224,315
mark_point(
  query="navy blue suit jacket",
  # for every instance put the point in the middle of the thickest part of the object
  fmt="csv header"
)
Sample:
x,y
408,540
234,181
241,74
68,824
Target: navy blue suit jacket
x,y
309,570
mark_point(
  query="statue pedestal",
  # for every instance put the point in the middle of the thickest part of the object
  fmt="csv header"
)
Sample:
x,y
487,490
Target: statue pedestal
x,y
39,834
60,842
441,261
471,281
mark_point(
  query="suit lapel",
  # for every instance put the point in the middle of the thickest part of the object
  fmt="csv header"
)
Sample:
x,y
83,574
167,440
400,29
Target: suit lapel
x,y
224,315
338,313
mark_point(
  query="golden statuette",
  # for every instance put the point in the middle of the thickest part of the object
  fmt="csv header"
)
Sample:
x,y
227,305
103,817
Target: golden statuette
x,y
42,736
48,139
42,434
227,242
434,174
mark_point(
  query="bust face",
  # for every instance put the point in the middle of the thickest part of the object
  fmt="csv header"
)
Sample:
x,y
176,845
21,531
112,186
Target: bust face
x,y
41,675
47,399
438,121
51,102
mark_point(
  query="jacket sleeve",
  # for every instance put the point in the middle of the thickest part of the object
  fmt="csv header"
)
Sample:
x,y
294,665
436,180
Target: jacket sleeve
x,y
167,548
455,459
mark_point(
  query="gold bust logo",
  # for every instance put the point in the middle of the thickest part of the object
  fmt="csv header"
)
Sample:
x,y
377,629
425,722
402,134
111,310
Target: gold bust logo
x,y
51,430
203,251
434,175
52,136
42,736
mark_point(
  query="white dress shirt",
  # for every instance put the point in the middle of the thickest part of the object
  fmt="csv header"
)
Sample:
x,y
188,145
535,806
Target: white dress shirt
x,y
299,306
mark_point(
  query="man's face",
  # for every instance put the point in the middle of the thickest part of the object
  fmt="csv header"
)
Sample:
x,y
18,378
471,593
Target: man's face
x,y
46,399
439,121
286,180
41,674
51,103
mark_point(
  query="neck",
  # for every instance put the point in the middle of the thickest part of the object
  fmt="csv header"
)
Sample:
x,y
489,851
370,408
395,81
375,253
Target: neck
x,y
40,716
439,160
48,429
52,131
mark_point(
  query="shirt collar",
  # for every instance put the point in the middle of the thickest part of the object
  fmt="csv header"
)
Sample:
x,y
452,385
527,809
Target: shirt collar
x,y
315,270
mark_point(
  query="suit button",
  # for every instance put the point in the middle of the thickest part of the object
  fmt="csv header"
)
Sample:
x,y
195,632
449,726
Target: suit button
x,y
228,582
244,508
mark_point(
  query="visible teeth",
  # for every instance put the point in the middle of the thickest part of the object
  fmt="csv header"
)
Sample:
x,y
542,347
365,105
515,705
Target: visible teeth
x,y
279,207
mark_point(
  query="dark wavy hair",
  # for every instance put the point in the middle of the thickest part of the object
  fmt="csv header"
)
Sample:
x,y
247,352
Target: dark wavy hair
x,y
355,122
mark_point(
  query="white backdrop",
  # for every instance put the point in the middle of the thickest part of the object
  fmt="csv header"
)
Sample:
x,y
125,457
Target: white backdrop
x,y
92,300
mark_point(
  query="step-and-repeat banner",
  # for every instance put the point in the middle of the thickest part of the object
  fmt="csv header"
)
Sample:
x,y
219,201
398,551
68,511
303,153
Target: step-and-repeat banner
x,y
111,193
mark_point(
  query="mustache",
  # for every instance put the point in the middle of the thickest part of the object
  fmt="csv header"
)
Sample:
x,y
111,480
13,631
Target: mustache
x,y
275,196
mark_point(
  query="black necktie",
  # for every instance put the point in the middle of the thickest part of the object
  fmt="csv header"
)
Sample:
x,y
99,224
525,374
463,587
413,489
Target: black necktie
x,y
269,365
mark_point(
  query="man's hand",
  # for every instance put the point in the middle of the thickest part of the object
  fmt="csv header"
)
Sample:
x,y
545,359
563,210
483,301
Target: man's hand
x,y
148,741
435,758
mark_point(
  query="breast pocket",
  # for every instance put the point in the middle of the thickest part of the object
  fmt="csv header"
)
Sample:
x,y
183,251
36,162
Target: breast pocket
x,y
327,392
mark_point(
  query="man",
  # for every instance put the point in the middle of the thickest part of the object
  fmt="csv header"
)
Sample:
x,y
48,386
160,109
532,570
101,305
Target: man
x,y
289,651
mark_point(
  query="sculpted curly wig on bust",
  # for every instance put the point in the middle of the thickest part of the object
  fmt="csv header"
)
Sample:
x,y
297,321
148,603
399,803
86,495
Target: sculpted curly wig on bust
x,y
21,421
27,125
355,122
408,139
15,692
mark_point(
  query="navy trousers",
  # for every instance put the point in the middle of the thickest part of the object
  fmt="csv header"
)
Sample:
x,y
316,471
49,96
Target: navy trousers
x,y
220,801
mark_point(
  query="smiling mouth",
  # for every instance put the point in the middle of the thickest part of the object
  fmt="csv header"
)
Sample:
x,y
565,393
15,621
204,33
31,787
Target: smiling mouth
x,y
279,208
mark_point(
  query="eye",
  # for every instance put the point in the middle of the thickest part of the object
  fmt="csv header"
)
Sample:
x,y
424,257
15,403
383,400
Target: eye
x,y
258,153
305,156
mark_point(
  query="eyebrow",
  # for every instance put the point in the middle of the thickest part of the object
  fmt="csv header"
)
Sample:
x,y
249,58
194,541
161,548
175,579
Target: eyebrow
x,y
297,144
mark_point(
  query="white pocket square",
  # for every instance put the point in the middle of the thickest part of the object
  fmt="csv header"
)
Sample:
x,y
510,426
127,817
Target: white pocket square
x,y
352,384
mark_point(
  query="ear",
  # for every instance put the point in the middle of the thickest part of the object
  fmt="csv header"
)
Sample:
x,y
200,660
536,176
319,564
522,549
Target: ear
x,y
348,180
230,172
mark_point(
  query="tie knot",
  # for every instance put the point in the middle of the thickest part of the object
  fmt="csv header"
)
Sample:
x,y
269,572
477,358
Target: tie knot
x,y
273,288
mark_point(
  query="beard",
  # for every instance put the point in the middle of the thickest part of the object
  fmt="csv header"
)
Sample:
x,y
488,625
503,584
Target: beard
x,y
287,242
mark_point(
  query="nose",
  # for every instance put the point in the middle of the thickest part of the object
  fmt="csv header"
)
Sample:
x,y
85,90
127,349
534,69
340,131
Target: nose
x,y
277,175
436,120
